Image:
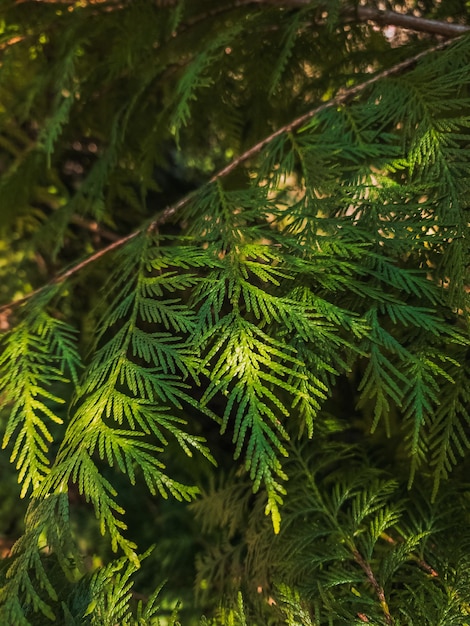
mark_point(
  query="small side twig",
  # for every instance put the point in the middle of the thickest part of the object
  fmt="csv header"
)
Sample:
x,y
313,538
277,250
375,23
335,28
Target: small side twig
x,y
95,228
420,562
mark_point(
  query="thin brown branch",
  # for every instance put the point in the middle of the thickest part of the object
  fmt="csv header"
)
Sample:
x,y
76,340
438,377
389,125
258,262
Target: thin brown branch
x,y
170,211
410,22
94,228
11,42
60,278
383,18
362,14
341,98
375,584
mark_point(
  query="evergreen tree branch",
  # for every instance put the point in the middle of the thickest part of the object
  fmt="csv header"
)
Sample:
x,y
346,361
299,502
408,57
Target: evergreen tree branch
x,y
310,286
169,212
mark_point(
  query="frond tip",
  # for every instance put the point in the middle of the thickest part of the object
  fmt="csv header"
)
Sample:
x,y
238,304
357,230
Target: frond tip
x,y
36,358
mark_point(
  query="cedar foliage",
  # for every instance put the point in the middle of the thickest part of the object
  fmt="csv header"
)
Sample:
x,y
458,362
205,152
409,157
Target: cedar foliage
x,y
235,258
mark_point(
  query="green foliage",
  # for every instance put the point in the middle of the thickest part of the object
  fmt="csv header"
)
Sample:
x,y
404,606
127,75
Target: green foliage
x,y
353,542
235,275
36,355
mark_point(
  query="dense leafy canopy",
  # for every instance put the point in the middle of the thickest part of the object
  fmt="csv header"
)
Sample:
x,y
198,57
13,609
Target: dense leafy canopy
x,y
235,274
